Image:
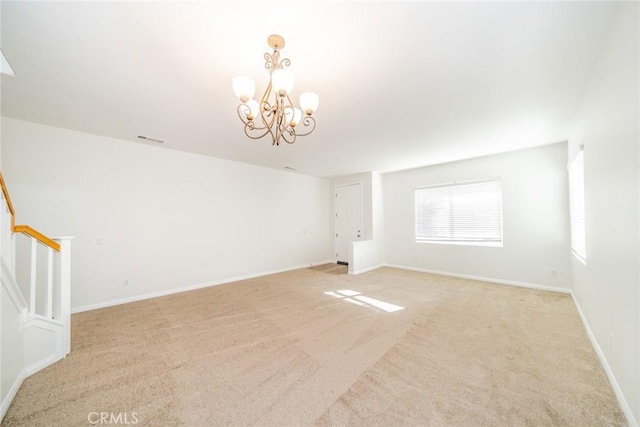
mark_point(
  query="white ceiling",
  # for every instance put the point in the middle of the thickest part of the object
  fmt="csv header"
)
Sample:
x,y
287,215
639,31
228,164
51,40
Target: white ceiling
x,y
401,84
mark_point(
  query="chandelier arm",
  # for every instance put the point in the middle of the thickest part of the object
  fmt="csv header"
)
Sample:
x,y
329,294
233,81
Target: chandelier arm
x,y
270,123
271,61
248,128
265,105
266,111
290,101
292,134
241,113
268,114
284,63
274,137
307,122
248,123
281,123
284,104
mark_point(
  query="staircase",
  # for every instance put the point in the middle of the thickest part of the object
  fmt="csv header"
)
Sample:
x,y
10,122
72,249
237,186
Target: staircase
x,y
35,316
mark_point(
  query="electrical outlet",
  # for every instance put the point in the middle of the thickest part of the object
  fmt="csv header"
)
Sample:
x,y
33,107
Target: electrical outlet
x,y
554,273
125,282
100,241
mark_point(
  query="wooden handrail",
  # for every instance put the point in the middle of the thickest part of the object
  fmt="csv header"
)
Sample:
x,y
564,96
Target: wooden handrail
x,y
8,199
25,229
30,231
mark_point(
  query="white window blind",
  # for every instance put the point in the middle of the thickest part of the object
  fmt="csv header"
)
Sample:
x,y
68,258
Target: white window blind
x,y
460,213
576,206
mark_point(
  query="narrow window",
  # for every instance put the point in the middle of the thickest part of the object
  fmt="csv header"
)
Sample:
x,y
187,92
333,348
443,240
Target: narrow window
x,y
576,207
467,213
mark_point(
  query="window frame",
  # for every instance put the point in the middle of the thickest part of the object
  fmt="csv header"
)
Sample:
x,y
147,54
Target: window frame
x,y
577,193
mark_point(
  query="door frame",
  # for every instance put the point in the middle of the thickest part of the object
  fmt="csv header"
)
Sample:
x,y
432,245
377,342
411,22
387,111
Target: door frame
x,y
335,214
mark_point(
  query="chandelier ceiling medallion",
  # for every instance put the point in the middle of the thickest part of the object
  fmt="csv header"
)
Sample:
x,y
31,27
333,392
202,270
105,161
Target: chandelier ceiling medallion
x,y
275,114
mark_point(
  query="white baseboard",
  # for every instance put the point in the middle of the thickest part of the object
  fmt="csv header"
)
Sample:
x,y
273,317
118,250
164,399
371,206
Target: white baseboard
x,y
38,366
364,270
24,374
607,369
12,393
111,303
485,279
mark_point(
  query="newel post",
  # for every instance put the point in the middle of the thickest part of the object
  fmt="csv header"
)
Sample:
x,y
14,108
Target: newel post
x,y
64,279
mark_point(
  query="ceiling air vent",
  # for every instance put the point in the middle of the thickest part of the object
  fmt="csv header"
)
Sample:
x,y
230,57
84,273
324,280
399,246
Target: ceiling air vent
x,y
150,139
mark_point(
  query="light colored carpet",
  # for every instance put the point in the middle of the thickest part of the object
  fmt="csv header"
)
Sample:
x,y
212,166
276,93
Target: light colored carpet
x,y
277,350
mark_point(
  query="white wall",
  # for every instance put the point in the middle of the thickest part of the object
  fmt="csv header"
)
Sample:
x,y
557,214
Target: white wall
x,y
168,219
535,219
607,287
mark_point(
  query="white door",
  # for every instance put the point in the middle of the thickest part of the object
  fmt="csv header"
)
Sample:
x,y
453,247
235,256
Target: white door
x,y
348,219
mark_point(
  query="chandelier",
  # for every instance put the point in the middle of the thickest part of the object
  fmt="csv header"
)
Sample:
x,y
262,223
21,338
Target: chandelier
x,y
275,114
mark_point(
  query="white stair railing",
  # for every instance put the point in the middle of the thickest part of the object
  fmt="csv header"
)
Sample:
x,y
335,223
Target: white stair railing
x,y
57,292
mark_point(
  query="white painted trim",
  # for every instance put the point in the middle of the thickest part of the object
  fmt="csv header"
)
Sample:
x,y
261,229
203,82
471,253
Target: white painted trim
x,y
111,303
40,365
24,374
42,322
56,355
485,279
12,393
58,329
607,369
364,270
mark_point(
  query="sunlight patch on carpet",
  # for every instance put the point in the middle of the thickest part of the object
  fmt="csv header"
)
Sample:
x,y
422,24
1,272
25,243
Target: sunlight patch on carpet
x,y
357,298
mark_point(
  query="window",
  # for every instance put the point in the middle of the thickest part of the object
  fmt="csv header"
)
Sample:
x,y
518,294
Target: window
x,y
576,207
460,213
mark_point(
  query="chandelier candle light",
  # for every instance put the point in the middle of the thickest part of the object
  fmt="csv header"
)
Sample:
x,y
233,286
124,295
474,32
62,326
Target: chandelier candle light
x,y
275,114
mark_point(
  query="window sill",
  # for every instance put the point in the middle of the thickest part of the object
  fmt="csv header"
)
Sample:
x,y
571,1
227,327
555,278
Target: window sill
x,y
579,258
485,244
